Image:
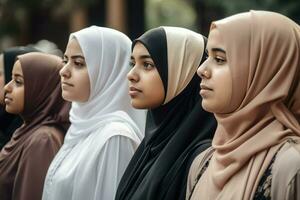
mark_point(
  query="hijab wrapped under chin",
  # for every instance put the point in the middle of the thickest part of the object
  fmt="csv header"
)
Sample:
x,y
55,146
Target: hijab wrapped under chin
x,y
9,122
109,99
48,107
175,129
265,107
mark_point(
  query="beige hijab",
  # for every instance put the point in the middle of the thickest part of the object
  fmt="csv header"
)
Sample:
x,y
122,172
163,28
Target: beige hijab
x,y
263,51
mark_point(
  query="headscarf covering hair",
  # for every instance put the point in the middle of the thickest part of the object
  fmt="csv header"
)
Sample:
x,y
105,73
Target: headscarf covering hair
x,y
10,122
265,108
43,107
96,122
177,128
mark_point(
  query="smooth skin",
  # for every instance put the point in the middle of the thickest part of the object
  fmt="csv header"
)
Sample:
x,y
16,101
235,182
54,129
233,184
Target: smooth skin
x,y
216,84
75,82
14,91
145,85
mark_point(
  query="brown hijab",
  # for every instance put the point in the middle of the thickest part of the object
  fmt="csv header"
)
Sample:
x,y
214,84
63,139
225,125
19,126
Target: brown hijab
x,y
263,52
43,107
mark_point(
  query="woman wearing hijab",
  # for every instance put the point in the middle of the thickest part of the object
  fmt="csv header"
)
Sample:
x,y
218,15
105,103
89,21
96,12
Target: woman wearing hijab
x,y
34,93
105,130
9,122
163,79
252,86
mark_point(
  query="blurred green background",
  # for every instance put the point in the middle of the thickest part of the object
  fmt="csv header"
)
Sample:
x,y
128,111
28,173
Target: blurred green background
x,y
25,22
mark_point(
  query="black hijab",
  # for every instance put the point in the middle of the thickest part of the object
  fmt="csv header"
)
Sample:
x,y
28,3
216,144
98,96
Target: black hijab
x,y
176,131
9,122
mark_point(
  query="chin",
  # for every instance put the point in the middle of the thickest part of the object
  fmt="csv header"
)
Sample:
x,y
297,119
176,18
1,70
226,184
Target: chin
x,y
137,105
207,108
66,97
11,110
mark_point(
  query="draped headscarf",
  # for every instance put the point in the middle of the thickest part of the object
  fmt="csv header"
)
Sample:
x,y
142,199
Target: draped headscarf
x,y
106,53
9,122
263,52
175,129
43,106
47,107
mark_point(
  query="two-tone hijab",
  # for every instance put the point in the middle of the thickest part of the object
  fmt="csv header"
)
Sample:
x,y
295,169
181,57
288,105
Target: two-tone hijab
x,y
175,129
9,122
263,52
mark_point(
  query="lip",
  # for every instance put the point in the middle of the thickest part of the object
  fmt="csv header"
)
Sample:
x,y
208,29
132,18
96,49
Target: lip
x,y
7,100
204,87
64,83
133,91
205,90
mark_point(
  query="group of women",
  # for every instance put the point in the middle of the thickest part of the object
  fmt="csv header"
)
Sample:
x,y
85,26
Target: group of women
x,y
171,115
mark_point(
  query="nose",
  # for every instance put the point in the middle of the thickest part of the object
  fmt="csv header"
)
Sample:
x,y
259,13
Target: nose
x,y
65,71
203,71
7,87
132,75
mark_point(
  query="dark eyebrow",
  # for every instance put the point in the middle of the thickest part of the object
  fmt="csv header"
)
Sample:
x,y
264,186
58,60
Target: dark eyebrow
x,y
218,49
141,57
74,56
18,75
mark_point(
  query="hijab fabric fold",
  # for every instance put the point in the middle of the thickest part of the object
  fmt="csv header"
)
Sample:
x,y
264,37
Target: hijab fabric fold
x,y
264,111
107,53
44,110
10,122
175,129
105,81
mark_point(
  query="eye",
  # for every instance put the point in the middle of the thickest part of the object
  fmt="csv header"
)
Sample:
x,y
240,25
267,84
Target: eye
x,y
64,62
148,66
78,64
18,82
219,60
131,64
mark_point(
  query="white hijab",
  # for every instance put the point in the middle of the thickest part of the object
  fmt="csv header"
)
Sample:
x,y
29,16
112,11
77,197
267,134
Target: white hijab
x,y
107,54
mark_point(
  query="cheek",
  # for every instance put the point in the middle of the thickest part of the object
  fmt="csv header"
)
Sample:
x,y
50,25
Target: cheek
x,y
155,92
223,90
83,87
21,98
17,106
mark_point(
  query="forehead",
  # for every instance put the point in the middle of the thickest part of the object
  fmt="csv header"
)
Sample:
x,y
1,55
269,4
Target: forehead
x,y
215,39
139,49
73,47
17,69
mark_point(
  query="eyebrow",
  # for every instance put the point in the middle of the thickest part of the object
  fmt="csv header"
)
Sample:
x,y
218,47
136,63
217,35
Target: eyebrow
x,y
218,49
142,56
74,56
18,75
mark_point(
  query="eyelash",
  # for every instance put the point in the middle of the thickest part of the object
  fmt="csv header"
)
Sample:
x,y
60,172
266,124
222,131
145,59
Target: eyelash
x,y
17,82
148,65
77,64
131,64
219,60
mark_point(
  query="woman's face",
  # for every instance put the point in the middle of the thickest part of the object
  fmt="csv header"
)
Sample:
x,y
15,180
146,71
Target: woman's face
x,y
14,91
216,84
145,85
2,80
75,80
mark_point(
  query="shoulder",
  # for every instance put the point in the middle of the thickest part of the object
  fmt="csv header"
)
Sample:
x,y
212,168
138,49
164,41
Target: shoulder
x,y
45,135
288,160
121,129
195,169
286,171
